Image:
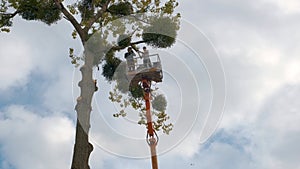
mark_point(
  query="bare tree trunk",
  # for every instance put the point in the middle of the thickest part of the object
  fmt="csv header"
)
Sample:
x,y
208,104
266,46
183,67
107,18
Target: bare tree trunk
x,y
82,147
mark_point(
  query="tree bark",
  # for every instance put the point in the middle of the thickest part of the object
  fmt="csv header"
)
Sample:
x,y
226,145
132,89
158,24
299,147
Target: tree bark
x,y
82,147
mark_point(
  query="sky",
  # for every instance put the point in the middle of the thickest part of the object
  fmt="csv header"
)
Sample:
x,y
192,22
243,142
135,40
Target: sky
x,y
233,102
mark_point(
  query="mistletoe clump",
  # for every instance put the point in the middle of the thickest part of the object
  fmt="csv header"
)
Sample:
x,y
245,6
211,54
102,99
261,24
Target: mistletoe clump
x,y
121,9
161,33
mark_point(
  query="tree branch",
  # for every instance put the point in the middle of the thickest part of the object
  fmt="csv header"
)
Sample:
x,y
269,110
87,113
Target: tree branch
x,y
11,15
135,17
137,42
6,18
73,21
117,48
96,17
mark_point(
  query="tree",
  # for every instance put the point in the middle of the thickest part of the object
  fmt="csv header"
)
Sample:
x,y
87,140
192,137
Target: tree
x,y
102,38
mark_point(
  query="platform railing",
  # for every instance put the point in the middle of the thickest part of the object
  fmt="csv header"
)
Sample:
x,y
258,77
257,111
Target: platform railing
x,y
154,63
143,71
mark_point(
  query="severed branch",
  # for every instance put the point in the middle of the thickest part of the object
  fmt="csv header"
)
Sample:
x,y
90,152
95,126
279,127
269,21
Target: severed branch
x,y
117,48
137,42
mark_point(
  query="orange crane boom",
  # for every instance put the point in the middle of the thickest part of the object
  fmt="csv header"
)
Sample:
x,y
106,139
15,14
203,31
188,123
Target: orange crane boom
x,y
152,137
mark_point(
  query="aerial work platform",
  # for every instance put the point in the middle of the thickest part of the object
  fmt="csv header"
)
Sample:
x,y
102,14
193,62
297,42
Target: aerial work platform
x,y
146,71
142,71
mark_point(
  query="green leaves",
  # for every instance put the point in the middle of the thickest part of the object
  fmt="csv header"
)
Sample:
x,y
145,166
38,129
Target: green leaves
x,y
159,103
5,17
45,11
5,20
121,9
170,6
159,124
158,28
5,30
161,33
86,8
74,59
73,9
110,66
136,91
105,29
124,40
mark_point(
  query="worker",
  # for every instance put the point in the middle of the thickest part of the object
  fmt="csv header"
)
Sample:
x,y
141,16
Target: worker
x,y
129,58
146,59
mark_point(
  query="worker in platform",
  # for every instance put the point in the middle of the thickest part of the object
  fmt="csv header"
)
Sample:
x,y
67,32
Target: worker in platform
x,y
146,59
129,58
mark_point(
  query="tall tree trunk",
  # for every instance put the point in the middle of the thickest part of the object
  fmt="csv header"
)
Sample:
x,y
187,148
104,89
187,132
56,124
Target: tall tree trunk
x,y
82,147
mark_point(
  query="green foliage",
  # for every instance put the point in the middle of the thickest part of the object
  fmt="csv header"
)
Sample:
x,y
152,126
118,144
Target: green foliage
x,y
159,123
115,96
73,9
159,103
5,20
74,34
74,59
170,6
124,40
136,91
86,8
125,101
123,85
121,9
161,33
45,11
120,114
149,21
110,66
5,30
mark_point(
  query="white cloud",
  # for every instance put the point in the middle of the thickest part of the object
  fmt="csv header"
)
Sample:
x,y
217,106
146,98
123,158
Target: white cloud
x,y
277,130
222,155
24,52
287,6
259,49
58,95
292,71
188,147
16,62
258,45
31,141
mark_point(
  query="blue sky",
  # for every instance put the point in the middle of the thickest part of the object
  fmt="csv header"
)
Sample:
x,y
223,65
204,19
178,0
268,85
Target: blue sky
x,y
258,46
